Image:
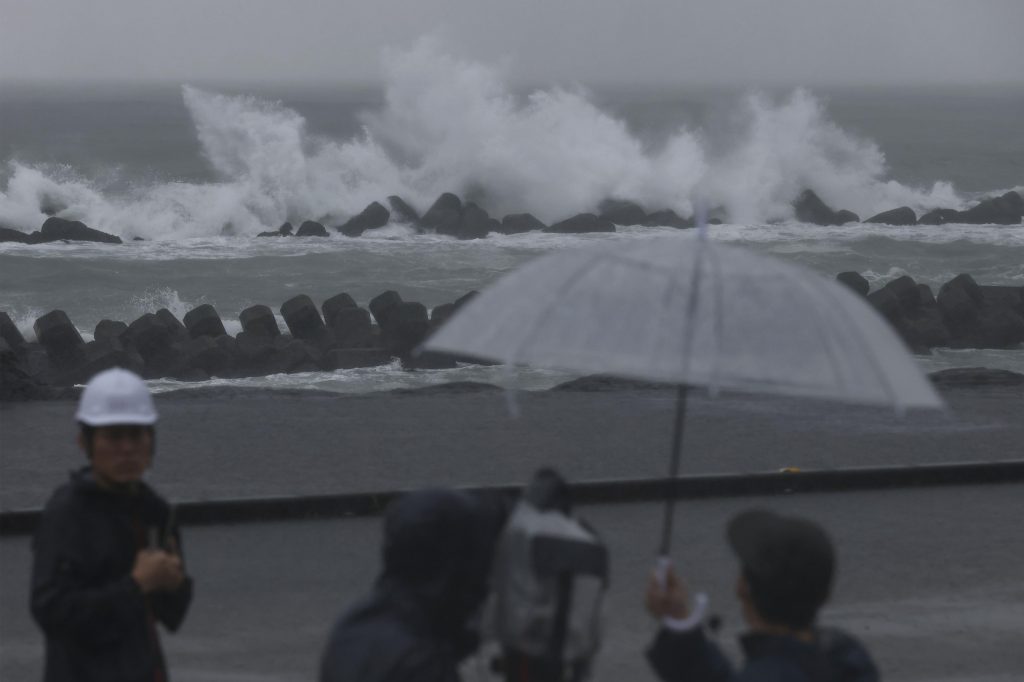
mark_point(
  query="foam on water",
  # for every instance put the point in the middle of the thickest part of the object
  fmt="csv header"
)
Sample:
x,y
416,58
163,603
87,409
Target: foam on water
x,y
452,125
383,378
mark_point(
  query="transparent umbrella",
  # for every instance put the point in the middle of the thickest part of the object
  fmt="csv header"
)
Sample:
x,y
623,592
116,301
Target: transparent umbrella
x,y
692,312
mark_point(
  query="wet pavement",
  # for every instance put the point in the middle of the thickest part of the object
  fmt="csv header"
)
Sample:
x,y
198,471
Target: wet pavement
x,y
931,579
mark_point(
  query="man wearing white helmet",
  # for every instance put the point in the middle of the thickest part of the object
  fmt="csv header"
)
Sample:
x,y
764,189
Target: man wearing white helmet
x,y
108,563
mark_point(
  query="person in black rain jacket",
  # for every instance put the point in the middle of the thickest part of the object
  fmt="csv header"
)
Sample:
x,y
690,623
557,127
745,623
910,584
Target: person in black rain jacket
x,y
107,554
786,575
415,626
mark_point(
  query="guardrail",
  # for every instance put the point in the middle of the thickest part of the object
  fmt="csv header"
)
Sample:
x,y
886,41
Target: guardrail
x,y
304,507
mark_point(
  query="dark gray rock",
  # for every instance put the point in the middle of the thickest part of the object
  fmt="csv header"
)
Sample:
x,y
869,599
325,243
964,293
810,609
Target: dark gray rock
x,y
10,333
56,229
906,292
259,355
283,231
259,320
925,295
176,327
429,360
156,342
311,228
976,376
517,223
669,218
621,212
299,356
106,354
204,353
443,217
37,363
61,339
474,223
253,347
1004,296
304,321
109,330
582,223
372,217
190,375
351,328
404,327
402,211
229,345
912,311
974,320
924,325
844,217
904,215
334,304
809,208
888,306
440,314
382,304
960,299
204,321
11,235
855,281
602,382
354,358
465,298
940,216
1005,210
16,382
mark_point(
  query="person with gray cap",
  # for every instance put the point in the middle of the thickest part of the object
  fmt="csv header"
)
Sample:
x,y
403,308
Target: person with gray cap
x,y
107,554
786,570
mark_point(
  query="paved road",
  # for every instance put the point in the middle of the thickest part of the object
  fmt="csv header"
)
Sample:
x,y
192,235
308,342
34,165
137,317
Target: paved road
x,y
931,579
239,445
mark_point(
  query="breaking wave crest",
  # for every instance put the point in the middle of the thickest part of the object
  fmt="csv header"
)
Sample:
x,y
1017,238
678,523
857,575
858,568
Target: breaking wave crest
x,y
452,125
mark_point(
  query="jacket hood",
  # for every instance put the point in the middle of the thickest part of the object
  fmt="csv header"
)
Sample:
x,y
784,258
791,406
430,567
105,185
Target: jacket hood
x,y
437,551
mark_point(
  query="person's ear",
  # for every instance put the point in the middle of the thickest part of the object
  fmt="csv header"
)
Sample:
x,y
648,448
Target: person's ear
x,y
82,444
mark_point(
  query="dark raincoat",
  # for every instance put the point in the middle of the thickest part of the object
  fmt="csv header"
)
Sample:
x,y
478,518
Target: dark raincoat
x,y
98,624
833,657
415,624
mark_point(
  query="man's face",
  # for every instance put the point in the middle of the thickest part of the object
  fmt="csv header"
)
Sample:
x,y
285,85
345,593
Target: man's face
x,y
121,454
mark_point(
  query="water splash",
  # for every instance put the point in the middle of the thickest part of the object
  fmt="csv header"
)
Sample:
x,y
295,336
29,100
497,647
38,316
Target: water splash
x,y
449,124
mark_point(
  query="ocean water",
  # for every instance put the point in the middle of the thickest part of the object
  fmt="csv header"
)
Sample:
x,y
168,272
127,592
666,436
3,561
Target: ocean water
x,y
197,171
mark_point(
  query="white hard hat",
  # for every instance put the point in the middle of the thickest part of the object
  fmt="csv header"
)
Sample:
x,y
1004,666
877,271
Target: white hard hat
x,y
116,396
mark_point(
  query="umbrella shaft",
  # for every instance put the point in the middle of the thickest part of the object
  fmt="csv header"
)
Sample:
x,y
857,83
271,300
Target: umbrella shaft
x,y
673,473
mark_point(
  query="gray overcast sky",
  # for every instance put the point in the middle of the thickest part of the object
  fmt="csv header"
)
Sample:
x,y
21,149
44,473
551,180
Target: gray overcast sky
x,y
810,42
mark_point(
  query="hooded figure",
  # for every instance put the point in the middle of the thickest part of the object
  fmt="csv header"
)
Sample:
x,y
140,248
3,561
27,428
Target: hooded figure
x,y
416,624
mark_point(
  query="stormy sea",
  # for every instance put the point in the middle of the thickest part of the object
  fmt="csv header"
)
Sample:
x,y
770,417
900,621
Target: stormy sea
x,y
188,174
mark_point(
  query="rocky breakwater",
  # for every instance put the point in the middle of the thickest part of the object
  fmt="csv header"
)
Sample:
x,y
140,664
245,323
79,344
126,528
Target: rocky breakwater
x,y
450,215
963,314
58,230
338,335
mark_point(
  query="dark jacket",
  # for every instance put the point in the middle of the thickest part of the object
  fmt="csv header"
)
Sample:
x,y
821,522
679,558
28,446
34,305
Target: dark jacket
x,y
98,624
833,657
414,625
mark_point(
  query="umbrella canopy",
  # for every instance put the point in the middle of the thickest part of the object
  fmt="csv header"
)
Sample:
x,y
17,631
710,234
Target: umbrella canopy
x,y
690,311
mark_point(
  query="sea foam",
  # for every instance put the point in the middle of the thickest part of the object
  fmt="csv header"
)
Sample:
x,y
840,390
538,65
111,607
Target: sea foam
x,y
448,124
